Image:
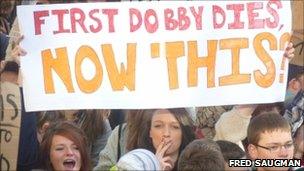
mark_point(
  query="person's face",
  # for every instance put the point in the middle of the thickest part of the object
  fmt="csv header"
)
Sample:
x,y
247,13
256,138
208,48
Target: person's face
x,y
273,139
296,84
165,127
299,139
301,81
64,154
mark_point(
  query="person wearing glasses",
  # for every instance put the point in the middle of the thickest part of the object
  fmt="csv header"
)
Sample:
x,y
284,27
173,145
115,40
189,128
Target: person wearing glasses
x,y
269,137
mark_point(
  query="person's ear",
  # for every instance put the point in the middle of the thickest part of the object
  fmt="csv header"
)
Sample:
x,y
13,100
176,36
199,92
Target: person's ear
x,y
252,151
44,127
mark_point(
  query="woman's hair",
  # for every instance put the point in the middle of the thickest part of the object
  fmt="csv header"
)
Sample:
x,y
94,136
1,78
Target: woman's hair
x,y
134,123
92,123
69,131
48,116
181,115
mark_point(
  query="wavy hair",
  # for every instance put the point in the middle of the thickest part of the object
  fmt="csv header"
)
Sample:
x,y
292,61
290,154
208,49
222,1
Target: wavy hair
x,y
73,133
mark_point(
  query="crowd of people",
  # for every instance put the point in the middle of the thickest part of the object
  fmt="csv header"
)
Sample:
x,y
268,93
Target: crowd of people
x,y
205,138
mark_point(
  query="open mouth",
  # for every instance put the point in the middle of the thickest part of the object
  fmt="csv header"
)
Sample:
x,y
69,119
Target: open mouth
x,y
69,163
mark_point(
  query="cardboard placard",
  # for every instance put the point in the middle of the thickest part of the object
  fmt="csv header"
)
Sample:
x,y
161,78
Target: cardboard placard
x,y
10,116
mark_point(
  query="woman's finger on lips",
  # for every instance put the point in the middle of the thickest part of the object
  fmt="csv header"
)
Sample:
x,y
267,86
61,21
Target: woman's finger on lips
x,y
159,150
165,148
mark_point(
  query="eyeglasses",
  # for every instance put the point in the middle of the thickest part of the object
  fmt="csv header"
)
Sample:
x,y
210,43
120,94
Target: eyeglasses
x,y
277,148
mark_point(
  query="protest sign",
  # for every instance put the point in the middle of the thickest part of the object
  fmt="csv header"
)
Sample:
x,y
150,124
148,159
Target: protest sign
x,y
154,54
10,116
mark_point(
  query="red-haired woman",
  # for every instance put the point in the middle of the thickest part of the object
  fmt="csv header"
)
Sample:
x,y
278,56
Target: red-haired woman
x,y
64,147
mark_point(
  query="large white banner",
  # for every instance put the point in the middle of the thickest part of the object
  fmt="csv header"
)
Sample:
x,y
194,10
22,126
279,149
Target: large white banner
x,y
154,54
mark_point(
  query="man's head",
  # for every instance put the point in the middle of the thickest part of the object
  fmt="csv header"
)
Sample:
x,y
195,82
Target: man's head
x,y
201,155
231,150
269,137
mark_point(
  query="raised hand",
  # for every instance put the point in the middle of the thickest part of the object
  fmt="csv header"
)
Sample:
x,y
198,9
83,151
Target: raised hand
x,y
166,162
17,51
289,51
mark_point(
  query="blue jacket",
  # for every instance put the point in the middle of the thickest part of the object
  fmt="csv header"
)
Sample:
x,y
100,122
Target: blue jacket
x,y
28,151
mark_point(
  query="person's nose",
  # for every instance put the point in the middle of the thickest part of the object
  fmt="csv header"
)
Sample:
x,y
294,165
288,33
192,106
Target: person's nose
x,y
69,152
166,132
